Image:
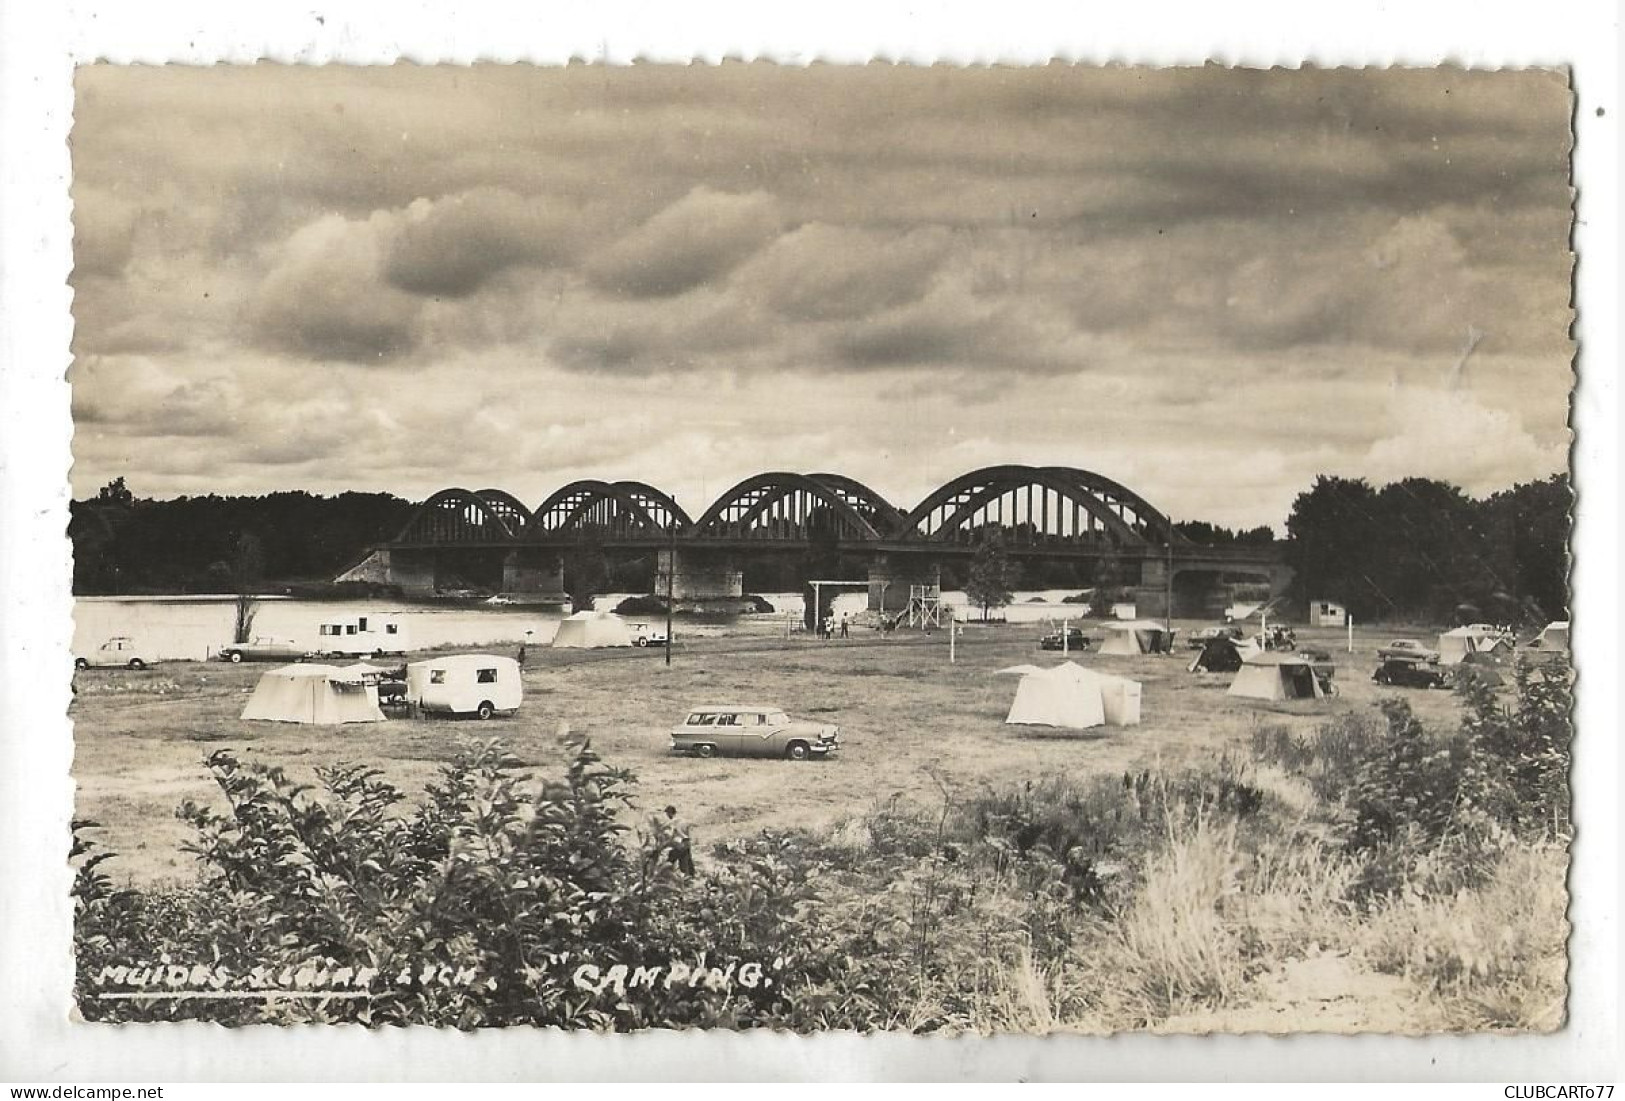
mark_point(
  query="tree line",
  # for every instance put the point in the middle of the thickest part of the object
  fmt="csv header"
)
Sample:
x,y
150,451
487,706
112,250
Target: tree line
x,y
1423,549
1412,549
125,545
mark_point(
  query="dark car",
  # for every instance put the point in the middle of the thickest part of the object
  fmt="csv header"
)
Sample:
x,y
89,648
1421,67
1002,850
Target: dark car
x,y
1407,649
264,649
1199,638
1074,639
1409,673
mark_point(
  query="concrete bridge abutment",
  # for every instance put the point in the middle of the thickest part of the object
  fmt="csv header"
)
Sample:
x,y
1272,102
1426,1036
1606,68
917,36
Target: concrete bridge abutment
x,y
700,574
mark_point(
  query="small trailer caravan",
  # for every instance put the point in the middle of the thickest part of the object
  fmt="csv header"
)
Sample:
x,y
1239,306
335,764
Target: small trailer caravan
x,y
465,684
363,635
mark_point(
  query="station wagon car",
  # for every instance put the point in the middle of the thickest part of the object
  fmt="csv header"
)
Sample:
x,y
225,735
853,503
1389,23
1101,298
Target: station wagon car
x,y
751,731
118,651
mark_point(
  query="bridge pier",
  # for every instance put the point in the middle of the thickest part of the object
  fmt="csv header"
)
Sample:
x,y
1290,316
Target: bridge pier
x,y
533,570
891,576
411,568
701,574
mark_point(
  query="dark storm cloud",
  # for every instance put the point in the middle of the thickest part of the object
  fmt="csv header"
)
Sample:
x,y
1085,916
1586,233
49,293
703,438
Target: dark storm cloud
x,y
1003,233
699,238
452,246
324,297
819,272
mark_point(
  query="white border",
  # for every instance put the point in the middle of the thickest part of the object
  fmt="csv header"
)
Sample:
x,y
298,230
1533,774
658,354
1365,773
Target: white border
x,y
38,47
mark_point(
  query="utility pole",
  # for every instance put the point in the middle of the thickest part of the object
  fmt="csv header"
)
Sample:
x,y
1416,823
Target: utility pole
x,y
1168,618
671,573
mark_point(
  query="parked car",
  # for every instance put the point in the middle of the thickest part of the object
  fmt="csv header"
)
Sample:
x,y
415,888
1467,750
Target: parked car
x,y
265,649
1075,640
1406,649
645,635
1199,638
118,651
1410,674
751,731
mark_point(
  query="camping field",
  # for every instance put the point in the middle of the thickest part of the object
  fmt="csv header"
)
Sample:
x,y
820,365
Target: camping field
x,y
912,726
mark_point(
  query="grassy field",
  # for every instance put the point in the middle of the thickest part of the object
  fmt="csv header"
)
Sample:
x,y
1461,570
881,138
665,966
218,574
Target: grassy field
x,y
912,725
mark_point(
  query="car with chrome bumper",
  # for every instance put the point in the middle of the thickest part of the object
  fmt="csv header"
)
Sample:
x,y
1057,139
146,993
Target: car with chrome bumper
x,y
729,730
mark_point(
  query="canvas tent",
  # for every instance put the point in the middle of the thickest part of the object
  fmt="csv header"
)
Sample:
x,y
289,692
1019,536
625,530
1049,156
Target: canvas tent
x,y
591,630
1221,655
1138,636
1458,643
1072,698
318,694
1554,638
1273,675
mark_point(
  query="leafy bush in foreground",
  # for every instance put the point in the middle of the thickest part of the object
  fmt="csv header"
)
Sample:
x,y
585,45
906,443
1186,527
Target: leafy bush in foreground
x,y
1092,902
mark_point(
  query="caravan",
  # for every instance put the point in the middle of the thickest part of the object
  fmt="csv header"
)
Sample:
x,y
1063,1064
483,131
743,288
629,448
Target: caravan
x,y
465,684
370,634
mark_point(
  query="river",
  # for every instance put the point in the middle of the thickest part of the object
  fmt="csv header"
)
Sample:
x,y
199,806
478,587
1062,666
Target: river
x,y
194,628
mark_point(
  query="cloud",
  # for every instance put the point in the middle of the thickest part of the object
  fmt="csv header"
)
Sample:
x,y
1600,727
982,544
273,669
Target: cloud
x,y
699,238
819,271
324,297
1451,436
452,246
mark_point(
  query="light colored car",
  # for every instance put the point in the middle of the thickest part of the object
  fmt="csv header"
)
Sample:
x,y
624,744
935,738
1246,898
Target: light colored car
x,y
1406,649
729,730
265,649
118,651
645,635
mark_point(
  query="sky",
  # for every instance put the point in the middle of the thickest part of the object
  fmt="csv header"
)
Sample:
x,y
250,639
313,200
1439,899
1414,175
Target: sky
x,y
1208,284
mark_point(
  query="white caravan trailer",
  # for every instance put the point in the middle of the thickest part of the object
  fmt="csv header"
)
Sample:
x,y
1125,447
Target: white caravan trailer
x,y
362,635
465,684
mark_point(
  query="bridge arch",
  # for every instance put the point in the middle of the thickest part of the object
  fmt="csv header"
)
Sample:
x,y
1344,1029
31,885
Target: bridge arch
x,y
612,508
464,516
785,506
1043,505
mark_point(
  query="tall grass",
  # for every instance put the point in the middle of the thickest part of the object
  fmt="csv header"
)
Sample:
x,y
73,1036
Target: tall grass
x,y
1180,949
1491,957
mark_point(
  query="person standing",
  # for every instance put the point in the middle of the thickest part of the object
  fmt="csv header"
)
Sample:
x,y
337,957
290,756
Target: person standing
x,y
845,633
672,840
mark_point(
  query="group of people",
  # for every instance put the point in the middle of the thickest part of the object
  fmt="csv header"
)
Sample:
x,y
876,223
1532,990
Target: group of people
x,y
829,625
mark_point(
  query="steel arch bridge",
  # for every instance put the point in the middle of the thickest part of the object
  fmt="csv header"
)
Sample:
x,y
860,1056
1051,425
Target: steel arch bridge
x,y
1049,506
614,509
488,539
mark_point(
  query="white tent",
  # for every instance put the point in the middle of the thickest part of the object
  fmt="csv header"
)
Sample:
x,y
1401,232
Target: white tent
x,y
1554,638
1272,675
313,694
1138,636
1475,638
591,630
1073,697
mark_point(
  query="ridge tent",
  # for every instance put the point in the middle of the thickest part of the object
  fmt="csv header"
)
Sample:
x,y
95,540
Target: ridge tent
x,y
1219,655
1475,638
1073,698
1554,638
1138,636
593,630
318,694
1272,675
